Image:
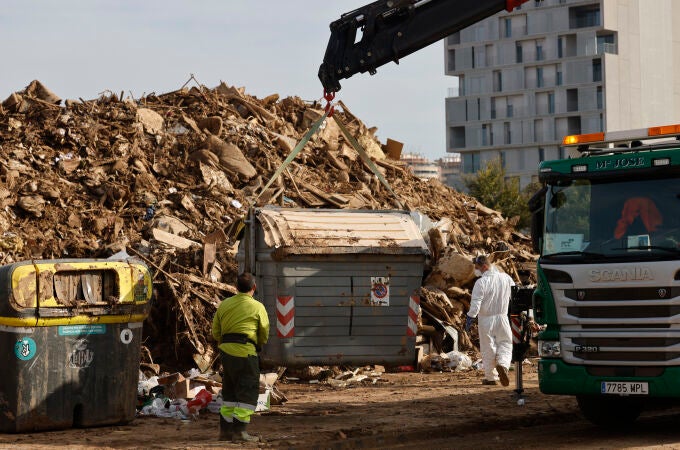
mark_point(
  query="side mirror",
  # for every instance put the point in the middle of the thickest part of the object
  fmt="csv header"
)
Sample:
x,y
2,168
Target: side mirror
x,y
536,230
537,207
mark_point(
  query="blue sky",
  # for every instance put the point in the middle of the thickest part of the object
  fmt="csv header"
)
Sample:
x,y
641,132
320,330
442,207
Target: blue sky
x,y
82,48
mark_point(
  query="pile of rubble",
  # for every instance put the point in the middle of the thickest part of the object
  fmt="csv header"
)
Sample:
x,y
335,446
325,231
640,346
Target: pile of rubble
x,y
165,176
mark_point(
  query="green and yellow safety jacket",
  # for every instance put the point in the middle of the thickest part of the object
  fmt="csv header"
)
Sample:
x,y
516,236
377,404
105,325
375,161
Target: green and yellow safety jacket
x,y
241,314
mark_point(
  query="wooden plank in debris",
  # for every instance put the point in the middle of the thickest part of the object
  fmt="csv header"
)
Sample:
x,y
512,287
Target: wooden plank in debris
x,y
210,248
344,201
473,225
311,200
388,165
172,239
319,193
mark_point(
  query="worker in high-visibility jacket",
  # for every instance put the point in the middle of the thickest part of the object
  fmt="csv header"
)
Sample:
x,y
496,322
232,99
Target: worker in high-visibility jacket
x,y
241,326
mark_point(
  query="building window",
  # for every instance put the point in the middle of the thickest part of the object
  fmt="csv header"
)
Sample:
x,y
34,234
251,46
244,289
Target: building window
x,y
507,133
538,130
539,76
560,152
559,47
479,109
509,111
572,99
539,52
452,60
606,44
457,137
470,162
518,52
574,125
497,81
551,103
488,50
584,16
597,69
485,135
508,27
558,78
502,157
599,97
454,39
472,49
541,154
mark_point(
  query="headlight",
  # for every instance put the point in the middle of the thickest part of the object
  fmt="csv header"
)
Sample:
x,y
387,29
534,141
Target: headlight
x,y
549,349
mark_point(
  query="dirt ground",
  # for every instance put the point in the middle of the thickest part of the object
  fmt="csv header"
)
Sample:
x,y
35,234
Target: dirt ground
x,y
401,410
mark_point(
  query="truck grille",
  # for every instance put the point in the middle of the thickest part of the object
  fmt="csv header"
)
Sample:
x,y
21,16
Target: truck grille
x,y
621,347
624,312
626,319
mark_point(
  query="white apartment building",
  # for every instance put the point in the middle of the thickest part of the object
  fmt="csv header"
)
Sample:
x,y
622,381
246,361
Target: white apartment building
x,y
421,167
559,67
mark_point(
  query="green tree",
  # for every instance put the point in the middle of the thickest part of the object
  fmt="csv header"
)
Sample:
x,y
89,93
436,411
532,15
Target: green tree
x,y
490,186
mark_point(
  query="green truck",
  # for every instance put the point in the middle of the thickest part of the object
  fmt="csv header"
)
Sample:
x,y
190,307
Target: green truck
x,y
607,227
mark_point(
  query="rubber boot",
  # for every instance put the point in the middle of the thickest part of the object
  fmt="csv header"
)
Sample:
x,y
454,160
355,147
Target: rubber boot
x,y
241,435
226,429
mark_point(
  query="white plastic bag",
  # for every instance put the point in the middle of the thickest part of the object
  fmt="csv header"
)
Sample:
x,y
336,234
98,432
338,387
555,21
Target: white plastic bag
x,y
458,360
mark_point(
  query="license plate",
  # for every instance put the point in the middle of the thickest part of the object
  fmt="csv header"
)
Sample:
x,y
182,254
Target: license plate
x,y
625,388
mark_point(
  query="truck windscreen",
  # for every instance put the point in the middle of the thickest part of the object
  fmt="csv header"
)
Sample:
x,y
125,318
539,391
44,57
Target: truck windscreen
x,y
628,220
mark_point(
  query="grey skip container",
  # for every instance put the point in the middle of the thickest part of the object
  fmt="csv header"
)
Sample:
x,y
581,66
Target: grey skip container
x,y
340,286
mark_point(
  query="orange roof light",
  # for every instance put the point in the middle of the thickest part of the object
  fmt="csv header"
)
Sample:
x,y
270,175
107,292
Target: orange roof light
x,y
512,4
575,139
664,130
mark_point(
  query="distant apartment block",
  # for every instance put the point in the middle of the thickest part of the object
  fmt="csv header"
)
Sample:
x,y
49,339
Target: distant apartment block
x,y
421,167
446,169
559,67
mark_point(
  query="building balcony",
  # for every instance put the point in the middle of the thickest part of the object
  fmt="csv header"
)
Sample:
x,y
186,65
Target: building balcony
x,y
599,48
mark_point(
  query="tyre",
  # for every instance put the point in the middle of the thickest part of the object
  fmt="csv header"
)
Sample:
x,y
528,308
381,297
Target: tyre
x,y
610,412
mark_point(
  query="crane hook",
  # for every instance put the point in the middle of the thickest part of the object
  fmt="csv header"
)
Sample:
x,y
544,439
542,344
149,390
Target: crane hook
x,y
329,96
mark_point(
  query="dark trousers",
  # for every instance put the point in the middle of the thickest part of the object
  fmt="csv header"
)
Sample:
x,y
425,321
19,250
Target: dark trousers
x,y
240,387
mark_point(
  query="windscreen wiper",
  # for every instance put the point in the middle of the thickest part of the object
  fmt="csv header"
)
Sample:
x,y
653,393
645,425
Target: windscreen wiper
x,y
649,247
577,253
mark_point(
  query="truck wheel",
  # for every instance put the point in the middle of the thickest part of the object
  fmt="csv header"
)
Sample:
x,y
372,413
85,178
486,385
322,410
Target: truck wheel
x,y
610,412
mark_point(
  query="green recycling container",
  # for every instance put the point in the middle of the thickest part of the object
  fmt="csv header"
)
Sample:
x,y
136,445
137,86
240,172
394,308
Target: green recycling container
x,y
70,340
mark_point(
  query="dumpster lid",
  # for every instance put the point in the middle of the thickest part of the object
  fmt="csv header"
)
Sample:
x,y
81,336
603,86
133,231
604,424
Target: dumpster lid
x,y
341,231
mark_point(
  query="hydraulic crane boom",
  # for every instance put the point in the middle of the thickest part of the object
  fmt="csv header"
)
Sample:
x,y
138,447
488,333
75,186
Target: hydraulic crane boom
x,y
393,29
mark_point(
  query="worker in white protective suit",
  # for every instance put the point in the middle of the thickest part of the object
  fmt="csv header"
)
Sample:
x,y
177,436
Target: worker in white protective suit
x,y
489,303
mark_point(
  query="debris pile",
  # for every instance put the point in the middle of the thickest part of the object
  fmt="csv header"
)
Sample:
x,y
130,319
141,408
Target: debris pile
x,y
165,177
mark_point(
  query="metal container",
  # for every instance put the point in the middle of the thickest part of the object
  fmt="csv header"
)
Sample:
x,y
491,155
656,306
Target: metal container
x,y
339,285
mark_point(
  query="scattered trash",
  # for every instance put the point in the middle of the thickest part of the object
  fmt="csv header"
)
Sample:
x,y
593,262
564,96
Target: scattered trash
x,y
459,361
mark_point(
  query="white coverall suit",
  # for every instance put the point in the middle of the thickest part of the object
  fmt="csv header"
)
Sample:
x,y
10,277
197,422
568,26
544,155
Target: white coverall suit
x,y
490,300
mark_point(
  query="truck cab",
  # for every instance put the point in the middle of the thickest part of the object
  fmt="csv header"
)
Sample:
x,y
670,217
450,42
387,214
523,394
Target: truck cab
x,y
607,227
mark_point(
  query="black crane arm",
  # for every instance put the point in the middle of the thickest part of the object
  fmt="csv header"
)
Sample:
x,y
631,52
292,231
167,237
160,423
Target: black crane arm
x,y
393,29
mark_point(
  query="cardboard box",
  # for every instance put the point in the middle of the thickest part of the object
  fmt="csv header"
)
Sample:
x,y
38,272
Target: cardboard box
x,y
171,379
184,389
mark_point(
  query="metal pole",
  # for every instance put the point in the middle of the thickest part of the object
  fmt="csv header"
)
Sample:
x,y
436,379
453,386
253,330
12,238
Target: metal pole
x,y
519,391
